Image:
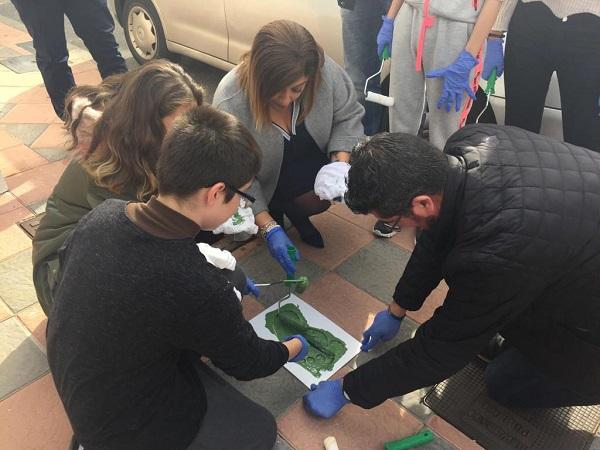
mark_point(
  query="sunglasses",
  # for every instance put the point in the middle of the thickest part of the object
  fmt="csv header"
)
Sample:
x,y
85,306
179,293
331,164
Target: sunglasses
x,y
247,197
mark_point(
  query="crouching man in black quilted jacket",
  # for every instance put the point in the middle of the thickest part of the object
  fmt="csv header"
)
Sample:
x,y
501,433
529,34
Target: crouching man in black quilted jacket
x,y
511,222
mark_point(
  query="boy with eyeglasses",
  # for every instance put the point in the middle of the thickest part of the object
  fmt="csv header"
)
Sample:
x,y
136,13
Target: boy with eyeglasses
x,y
137,305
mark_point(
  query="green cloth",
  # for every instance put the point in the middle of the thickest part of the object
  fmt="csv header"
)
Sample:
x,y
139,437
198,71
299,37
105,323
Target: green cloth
x,y
73,197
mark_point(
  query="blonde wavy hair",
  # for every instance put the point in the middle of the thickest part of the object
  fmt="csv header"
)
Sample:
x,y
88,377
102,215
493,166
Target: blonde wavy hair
x,y
126,138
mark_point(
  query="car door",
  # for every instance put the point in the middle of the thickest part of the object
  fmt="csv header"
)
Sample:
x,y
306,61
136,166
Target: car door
x,y
320,17
199,25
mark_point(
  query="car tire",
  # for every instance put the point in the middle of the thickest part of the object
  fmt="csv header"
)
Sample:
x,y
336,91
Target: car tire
x,y
143,31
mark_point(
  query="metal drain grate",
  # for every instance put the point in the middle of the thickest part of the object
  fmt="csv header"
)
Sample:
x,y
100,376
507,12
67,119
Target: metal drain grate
x,y
462,401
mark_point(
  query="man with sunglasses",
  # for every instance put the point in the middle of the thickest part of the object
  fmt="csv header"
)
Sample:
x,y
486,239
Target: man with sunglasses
x,y
511,222
137,305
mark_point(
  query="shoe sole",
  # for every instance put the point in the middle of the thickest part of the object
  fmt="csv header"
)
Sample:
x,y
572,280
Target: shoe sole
x,y
384,235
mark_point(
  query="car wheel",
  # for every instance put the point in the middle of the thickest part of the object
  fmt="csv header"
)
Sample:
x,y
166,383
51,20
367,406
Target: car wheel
x,y
143,31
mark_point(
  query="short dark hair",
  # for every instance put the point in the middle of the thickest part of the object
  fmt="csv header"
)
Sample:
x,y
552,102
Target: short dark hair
x,y
207,146
389,170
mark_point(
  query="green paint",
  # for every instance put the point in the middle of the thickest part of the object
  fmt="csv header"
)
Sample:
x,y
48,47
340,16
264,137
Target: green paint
x,y
299,285
237,219
325,349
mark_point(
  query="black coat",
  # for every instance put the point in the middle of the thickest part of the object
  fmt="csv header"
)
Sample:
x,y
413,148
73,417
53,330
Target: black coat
x,y
518,243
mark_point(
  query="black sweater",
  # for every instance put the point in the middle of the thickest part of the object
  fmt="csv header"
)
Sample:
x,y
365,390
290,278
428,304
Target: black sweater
x,y
131,310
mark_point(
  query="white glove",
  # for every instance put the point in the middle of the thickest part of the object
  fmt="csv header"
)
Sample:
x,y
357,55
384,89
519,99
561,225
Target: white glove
x,y
330,183
241,222
221,259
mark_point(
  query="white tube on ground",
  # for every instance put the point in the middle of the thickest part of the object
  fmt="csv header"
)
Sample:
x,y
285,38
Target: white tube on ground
x,y
330,443
380,99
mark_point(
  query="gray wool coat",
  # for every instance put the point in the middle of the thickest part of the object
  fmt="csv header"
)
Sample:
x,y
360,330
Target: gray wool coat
x,y
334,123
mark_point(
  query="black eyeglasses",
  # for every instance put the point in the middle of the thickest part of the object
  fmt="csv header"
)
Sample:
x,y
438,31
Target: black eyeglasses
x,y
394,226
245,196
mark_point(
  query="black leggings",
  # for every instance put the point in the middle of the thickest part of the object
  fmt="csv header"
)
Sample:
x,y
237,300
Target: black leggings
x,y
298,208
538,44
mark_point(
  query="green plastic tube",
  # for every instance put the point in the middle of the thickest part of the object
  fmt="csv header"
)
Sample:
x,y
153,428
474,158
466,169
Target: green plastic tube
x,y
416,440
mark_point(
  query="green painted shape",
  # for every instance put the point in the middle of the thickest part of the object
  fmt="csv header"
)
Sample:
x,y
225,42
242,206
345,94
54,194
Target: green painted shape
x,y
237,219
325,349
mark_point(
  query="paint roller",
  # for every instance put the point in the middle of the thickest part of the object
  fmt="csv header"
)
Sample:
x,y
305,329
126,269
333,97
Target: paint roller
x,y
490,89
374,97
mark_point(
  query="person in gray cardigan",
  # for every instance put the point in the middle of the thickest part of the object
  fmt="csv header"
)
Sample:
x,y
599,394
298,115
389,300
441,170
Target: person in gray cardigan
x,y
301,108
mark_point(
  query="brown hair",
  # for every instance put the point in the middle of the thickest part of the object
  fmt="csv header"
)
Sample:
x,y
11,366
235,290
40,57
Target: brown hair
x,y
282,52
205,147
126,141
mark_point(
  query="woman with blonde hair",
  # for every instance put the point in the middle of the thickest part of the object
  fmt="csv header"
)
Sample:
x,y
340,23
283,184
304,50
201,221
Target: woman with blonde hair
x,y
117,129
302,110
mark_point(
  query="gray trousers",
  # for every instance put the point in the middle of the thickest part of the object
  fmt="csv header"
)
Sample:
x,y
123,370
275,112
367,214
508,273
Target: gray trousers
x,y
410,89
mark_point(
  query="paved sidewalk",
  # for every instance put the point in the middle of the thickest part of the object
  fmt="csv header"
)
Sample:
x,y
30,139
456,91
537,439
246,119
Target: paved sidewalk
x,y
352,279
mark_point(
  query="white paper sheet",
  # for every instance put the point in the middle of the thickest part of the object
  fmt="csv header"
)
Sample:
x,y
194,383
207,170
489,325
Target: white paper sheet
x,y
317,320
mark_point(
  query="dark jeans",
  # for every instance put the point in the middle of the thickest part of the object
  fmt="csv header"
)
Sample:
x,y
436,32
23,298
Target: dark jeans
x,y
359,31
539,43
92,22
232,420
512,380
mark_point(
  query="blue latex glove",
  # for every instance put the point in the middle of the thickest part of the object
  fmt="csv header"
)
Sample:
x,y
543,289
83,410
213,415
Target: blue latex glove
x,y
384,37
494,58
303,351
251,287
326,399
385,326
456,81
278,243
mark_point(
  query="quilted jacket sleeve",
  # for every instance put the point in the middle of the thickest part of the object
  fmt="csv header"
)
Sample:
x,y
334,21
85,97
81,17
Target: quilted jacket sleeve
x,y
421,275
480,301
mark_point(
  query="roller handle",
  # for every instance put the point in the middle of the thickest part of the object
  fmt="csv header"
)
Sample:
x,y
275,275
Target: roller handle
x,y
416,440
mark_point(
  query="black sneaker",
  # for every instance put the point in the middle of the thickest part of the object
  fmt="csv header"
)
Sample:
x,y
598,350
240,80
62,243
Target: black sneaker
x,y
382,229
496,345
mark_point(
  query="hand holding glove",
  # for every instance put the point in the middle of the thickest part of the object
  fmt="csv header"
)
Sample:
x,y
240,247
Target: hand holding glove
x,y
279,243
385,326
241,222
330,182
303,351
384,37
456,81
326,399
494,58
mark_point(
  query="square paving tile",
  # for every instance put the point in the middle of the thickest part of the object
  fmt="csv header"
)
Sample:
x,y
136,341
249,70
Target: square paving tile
x,y
52,154
250,307
25,133
451,434
16,284
435,299
342,239
18,159
4,108
37,94
88,77
38,207
20,358
54,136
364,221
34,418
262,268
30,113
7,140
27,46
35,320
438,444
7,52
281,444
11,35
12,238
354,428
8,93
36,184
276,392
376,268
21,63
5,311
8,203
343,303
